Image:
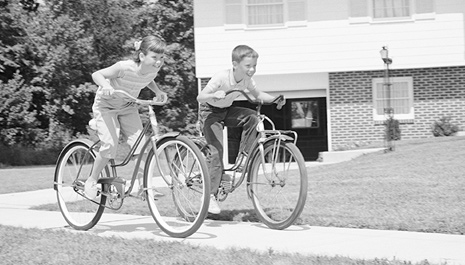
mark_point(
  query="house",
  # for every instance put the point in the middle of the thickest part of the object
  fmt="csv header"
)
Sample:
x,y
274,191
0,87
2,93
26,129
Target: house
x,y
324,56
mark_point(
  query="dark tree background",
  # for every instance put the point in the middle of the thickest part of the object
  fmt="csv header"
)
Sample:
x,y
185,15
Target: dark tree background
x,y
47,55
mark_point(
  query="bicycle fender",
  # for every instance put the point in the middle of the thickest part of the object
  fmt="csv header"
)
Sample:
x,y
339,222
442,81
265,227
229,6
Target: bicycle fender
x,y
283,137
85,141
88,142
170,135
255,152
199,141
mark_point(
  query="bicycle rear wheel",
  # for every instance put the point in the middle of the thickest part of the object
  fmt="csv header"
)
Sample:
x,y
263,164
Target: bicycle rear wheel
x,y
184,181
74,166
277,184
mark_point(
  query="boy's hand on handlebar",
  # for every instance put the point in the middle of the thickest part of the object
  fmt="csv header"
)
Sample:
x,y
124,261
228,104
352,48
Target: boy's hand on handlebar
x,y
281,101
219,95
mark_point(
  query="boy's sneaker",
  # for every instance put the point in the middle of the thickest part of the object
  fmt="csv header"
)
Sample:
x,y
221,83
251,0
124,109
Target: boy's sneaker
x,y
214,208
90,188
226,177
140,193
156,193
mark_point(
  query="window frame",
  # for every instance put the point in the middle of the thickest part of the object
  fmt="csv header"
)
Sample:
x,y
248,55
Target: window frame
x,y
287,22
403,117
414,15
281,3
371,7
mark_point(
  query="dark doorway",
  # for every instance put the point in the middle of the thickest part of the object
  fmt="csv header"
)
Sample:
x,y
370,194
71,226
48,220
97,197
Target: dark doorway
x,y
306,116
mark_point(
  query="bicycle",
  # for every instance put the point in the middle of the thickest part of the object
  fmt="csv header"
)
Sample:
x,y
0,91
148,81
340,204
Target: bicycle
x,y
173,166
274,163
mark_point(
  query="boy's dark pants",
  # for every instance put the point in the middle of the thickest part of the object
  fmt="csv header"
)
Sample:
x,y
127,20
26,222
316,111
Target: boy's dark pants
x,y
212,120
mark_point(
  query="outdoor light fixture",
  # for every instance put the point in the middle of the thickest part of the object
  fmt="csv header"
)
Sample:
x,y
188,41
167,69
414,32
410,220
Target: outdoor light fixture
x,y
387,84
388,109
385,55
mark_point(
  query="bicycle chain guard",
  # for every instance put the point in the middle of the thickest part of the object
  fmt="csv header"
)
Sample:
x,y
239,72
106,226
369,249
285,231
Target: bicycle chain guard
x,y
113,189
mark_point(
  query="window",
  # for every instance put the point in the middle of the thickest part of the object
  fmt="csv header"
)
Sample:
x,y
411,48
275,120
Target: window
x,y
398,96
255,13
304,114
390,10
264,12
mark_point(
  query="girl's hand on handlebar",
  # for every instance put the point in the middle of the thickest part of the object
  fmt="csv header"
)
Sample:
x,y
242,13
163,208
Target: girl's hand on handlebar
x,y
107,91
161,98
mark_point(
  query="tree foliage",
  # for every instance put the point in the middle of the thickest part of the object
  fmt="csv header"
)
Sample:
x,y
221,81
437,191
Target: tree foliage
x,y
47,57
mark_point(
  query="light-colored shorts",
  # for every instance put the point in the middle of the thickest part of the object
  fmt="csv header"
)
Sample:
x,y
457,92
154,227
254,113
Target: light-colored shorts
x,y
110,123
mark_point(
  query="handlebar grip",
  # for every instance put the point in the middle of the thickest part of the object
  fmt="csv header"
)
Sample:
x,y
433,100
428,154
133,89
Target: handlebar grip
x,y
280,102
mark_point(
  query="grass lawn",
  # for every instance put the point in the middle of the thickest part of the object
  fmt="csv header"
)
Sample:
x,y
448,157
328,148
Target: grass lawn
x,y
418,187
35,246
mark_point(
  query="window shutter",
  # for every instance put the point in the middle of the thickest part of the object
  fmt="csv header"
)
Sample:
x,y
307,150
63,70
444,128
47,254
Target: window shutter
x,y
297,10
233,12
424,6
358,8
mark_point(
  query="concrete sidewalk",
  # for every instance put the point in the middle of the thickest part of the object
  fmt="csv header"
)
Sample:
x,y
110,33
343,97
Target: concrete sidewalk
x,y
306,240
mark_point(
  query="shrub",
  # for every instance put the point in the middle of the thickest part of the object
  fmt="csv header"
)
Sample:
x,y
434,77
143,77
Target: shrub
x,y
392,129
444,127
19,155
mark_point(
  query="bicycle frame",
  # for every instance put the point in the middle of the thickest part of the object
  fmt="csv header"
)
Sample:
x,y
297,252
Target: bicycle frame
x,y
154,138
264,136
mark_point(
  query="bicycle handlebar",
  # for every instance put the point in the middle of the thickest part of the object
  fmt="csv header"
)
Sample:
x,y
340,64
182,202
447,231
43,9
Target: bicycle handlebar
x,y
141,101
279,100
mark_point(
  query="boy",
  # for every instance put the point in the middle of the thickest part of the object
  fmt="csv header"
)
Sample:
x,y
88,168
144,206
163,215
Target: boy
x,y
216,108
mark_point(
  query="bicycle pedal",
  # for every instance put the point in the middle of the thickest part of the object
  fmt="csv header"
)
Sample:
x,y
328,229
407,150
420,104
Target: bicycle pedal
x,y
115,204
226,186
140,194
79,186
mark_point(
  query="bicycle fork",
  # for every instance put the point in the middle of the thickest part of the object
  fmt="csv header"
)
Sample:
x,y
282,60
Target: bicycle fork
x,y
154,139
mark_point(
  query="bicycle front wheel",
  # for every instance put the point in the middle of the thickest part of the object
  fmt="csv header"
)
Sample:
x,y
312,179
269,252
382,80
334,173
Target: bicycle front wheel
x,y
278,184
179,172
74,166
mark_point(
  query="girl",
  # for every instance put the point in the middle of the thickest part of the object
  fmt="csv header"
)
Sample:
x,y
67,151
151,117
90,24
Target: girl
x,y
112,112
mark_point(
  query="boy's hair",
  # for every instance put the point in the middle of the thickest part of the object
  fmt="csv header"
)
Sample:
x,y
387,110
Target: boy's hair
x,y
242,51
149,43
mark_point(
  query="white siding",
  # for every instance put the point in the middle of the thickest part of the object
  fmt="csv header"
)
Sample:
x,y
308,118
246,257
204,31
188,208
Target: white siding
x,y
338,45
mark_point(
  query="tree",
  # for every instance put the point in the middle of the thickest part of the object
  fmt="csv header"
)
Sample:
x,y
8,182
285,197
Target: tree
x,y
47,57
173,20
18,123
49,54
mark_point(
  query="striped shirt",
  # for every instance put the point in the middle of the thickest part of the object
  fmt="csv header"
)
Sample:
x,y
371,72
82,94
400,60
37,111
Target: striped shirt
x,y
128,80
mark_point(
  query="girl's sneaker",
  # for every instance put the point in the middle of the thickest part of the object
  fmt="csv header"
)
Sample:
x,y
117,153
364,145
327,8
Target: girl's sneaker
x,y
213,208
90,188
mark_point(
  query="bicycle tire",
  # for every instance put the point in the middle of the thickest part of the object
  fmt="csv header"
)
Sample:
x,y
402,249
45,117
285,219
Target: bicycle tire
x,y
74,166
278,197
182,210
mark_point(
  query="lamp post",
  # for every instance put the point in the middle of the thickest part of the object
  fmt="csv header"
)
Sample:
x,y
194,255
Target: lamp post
x,y
388,109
